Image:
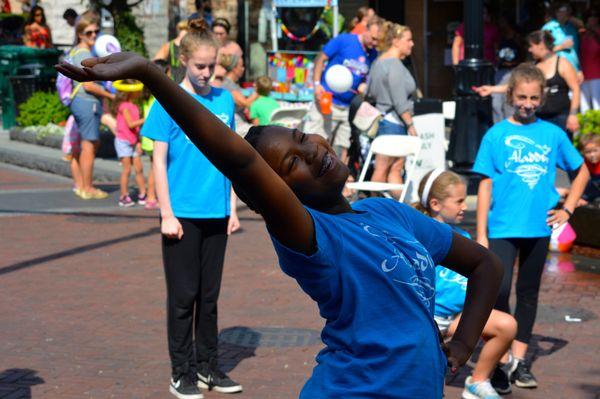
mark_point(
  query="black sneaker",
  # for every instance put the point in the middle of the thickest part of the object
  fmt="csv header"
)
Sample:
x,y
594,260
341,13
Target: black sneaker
x,y
211,378
184,387
523,377
500,379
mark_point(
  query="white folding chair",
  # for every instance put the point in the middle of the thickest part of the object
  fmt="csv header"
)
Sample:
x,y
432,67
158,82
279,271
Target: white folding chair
x,y
391,146
288,117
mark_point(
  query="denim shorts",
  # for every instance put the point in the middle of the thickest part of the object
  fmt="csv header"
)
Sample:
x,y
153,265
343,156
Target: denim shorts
x,y
389,128
87,113
125,149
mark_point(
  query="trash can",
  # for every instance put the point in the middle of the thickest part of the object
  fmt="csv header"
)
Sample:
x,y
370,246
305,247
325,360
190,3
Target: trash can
x,y
38,62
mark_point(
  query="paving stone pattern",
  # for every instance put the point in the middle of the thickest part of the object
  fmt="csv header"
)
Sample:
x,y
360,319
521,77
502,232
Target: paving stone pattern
x,y
82,311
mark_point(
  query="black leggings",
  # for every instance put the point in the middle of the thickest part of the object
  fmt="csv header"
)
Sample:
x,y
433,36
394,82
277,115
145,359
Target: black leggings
x,y
193,269
532,258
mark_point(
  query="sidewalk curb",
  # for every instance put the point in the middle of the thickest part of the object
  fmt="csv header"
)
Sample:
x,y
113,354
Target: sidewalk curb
x,y
52,165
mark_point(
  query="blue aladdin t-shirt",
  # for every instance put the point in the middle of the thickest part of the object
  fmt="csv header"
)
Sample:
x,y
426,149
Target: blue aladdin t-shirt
x,y
346,50
521,160
373,278
450,288
196,188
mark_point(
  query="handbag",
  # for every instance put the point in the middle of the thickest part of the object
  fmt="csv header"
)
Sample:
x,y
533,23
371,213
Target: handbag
x,y
367,119
367,116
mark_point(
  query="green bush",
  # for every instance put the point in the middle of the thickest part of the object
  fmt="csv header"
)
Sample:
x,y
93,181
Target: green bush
x,y
42,108
589,123
41,132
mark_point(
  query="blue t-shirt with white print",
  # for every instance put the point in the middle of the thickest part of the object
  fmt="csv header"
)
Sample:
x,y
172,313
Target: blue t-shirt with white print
x,y
346,50
450,287
196,188
373,278
521,160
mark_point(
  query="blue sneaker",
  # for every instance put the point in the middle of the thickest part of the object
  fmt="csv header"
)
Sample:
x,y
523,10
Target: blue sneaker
x,y
479,390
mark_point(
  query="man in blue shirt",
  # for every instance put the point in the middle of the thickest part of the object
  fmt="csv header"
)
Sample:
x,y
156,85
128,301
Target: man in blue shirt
x,y
564,32
356,52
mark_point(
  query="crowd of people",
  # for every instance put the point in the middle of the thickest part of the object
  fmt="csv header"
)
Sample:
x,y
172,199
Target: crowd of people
x,y
404,291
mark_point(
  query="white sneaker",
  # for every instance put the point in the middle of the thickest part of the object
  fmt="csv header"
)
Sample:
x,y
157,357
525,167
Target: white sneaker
x,y
479,390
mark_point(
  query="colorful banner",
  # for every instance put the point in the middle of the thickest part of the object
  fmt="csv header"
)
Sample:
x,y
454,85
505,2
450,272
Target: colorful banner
x,y
305,3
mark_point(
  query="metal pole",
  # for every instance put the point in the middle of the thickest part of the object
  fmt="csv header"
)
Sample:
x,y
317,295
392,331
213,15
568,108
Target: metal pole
x,y
274,27
473,113
335,20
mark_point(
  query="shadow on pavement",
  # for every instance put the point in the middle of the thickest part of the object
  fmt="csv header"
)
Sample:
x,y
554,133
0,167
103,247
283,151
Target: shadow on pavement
x,y
232,353
77,250
17,383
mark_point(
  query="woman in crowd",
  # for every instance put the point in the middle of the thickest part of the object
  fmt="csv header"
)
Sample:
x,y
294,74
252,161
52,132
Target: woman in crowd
x,y
37,32
391,86
170,53
220,29
359,22
561,78
234,67
86,107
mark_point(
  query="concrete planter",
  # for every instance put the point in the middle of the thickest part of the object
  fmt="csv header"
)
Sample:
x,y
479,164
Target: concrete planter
x,y
106,150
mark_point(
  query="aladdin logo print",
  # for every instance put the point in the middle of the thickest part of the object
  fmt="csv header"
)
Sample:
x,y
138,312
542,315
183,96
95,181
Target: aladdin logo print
x,y
419,263
527,160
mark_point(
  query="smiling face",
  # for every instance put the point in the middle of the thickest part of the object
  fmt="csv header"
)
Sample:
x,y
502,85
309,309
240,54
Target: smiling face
x,y
306,162
200,65
526,98
89,34
452,208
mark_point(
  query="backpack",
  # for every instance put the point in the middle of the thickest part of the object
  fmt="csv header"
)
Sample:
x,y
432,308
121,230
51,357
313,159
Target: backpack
x,y
64,85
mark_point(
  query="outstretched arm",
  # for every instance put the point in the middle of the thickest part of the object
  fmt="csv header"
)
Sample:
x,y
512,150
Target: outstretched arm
x,y
484,271
286,217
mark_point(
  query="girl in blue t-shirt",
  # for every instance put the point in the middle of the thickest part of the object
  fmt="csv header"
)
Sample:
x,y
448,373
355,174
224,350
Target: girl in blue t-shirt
x,y
370,266
517,200
197,214
443,195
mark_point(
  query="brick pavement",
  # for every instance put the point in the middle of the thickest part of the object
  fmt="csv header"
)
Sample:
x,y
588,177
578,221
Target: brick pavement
x,y
82,313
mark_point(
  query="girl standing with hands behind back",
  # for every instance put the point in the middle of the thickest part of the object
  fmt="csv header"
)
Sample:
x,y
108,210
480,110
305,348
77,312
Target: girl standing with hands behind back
x,y
369,267
516,201
197,213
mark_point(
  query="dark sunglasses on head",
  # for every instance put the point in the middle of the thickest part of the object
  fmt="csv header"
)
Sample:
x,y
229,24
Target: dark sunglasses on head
x,y
89,33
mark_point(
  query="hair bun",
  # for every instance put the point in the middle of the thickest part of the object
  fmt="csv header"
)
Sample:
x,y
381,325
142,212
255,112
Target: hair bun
x,y
198,26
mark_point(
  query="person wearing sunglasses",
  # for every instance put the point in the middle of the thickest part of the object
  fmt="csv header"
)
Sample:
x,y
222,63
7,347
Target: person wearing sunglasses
x,y
86,107
37,32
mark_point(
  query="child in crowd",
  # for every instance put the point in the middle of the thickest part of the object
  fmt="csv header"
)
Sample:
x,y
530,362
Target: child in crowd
x,y
443,195
263,107
589,145
370,266
518,158
127,143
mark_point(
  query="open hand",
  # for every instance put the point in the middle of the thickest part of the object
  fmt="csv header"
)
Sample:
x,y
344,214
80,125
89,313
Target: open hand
x,y
557,217
116,66
484,90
